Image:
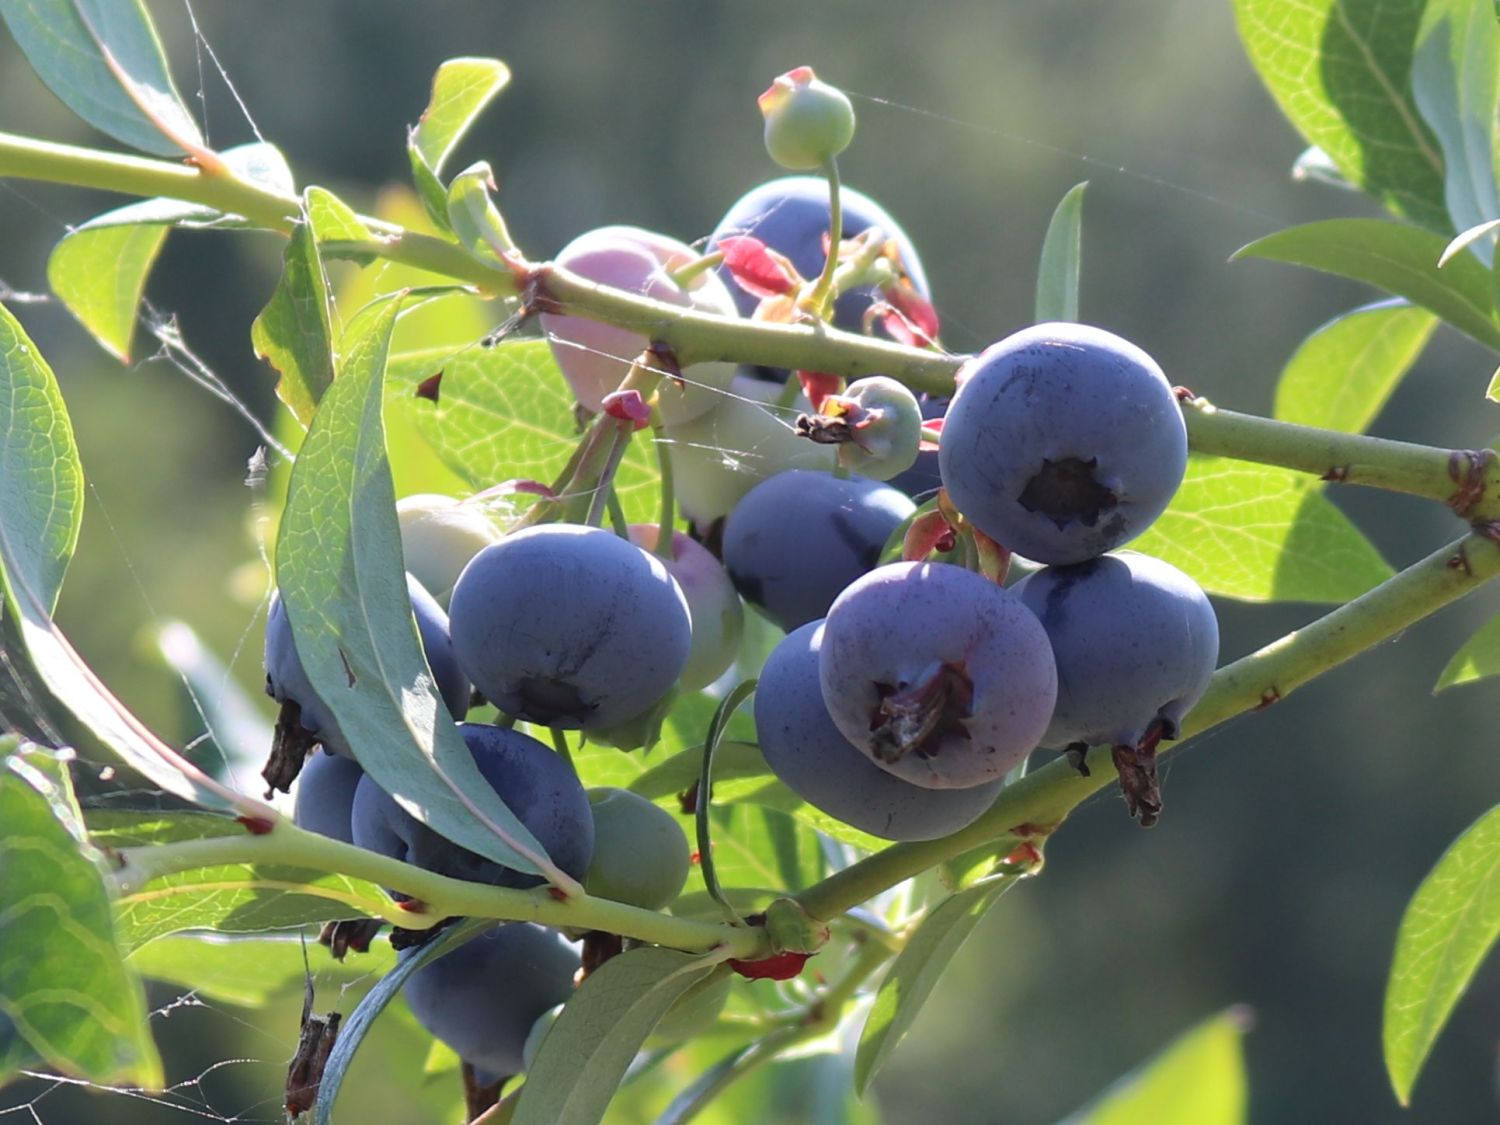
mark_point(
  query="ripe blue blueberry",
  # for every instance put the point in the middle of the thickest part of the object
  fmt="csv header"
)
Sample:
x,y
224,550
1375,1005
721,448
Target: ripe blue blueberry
x,y
940,676
287,682
808,752
538,785
325,795
1136,641
483,997
570,626
795,541
1062,442
641,856
791,216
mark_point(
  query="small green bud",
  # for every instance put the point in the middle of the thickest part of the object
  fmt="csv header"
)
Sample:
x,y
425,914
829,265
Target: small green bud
x,y
808,122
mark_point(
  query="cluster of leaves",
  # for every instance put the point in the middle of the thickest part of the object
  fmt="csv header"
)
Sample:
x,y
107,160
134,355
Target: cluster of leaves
x,y
1398,100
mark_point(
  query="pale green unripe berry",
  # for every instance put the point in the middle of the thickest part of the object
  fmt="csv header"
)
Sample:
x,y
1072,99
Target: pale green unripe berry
x,y
808,122
885,424
641,856
439,535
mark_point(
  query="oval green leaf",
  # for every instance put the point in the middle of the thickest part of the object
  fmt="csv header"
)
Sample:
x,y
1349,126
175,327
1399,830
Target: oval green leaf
x,y
505,413
358,1025
1261,533
338,567
104,60
1399,259
1344,372
1198,1080
1480,657
586,1052
1449,926
1340,70
917,969
461,89
1062,253
64,988
252,971
41,506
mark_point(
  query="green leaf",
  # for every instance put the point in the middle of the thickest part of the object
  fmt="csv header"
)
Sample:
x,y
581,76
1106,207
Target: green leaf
x,y
505,413
133,828
461,89
1449,926
760,847
1340,71
294,332
473,217
916,970
338,567
41,505
99,275
1062,249
63,986
1198,1080
1261,533
1399,259
237,728
1492,392
358,1025
586,1052
104,60
1342,374
251,972
99,269
243,898
1455,81
1479,657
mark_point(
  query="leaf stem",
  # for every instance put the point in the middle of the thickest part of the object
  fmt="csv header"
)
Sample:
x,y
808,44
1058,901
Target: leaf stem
x,y
1041,800
287,845
817,300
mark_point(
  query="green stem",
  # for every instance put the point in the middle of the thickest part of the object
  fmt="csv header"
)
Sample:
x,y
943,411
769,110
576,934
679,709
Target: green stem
x,y
604,486
287,845
817,300
1397,466
1046,796
666,524
29,158
698,337
720,722
560,744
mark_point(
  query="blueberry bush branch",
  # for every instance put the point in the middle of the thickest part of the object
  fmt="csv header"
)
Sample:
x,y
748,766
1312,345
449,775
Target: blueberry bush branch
x,y
437,896
695,337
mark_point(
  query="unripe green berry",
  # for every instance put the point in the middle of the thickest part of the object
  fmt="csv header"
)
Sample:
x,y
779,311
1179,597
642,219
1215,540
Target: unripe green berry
x,y
641,856
885,426
808,122
439,535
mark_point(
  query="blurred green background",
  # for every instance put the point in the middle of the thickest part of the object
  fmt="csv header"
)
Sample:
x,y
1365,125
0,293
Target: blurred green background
x,y
1292,839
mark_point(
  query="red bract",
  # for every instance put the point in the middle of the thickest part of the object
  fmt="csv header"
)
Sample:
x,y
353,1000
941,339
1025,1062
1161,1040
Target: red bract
x,y
818,385
779,966
908,316
757,269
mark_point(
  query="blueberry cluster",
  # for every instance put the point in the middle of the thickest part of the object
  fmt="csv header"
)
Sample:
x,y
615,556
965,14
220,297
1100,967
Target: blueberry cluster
x,y
902,694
